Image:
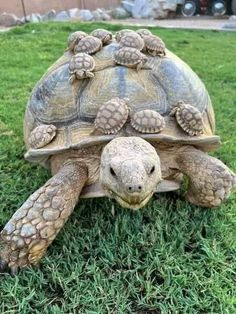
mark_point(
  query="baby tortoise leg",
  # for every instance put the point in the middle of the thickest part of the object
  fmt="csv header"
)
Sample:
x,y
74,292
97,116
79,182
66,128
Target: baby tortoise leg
x,y
210,180
36,223
42,135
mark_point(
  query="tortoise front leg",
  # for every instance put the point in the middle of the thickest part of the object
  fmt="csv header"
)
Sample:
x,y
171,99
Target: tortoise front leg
x,y
210,181
36,223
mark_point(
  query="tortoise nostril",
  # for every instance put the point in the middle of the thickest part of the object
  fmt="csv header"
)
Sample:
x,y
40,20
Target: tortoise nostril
x,y
130,188
140,187
134,188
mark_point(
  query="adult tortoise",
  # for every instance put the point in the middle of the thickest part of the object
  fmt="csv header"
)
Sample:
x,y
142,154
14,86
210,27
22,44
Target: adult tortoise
x,y
122,133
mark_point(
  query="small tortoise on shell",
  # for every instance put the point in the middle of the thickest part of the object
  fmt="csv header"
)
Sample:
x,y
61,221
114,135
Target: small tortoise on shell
x,y
143,32
104,35
81,66
89,45
128,164
123,32
74,38
132,40
154,45
130,57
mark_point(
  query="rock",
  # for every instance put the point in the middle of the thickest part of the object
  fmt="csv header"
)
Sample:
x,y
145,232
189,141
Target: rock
x,y
149,9
35,18
128,5
97,16
85,15
7,19
74,13
170,5
232,17
50,15
106,16
62,16
119,13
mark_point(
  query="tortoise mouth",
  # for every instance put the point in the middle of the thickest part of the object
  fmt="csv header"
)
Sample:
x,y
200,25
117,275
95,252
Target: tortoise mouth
x,y
133,203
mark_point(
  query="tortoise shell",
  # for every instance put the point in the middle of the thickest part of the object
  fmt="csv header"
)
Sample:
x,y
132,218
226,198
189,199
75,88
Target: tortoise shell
x,y
89,45
143,32
154,45
121,33
73,109
81,62
129,56
74,38
132,40
102,34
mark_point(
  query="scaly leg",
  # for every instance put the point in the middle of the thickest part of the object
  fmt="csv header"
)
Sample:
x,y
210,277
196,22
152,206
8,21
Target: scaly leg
x,y
210,180
36,223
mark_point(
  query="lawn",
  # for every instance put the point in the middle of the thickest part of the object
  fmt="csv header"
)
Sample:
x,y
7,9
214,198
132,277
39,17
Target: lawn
x,y
170,257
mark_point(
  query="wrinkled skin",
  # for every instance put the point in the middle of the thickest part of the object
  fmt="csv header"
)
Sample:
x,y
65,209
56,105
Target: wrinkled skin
x,y
130,171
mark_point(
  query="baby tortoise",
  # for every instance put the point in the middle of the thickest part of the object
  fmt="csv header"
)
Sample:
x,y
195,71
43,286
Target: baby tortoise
x,y
189,118
81,67
89,45
112,116
147,121
104,35
154,45
143,32
130,57
121,33
42,135
74,38
132,40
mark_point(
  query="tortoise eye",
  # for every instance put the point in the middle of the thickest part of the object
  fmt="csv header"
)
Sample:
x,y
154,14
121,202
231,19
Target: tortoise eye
x,y
152,170
112,172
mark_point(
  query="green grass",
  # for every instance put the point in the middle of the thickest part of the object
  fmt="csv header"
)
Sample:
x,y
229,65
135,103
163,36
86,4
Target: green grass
x,y
170,257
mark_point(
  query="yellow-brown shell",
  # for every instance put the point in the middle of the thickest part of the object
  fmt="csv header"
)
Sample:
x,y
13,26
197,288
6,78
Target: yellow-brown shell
x,y
189,118
74,38
88,45
132,40
129,57
80,66
104,35
144,32
42,135
148,121
154,45
112,116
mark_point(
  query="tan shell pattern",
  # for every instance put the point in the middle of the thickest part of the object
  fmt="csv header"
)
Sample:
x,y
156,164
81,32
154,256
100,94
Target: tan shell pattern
x,y
143,32
112,116
42,135
74,38
129,56
81,64
88,45
154,45
148,121
190,119
132,40
104,35
121,33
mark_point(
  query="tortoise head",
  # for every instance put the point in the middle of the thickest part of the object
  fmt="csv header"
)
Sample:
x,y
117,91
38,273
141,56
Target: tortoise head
x,y
130,171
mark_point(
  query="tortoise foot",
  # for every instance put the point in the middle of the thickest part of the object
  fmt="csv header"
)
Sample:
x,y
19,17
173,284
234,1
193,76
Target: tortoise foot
x,y
42,135
189,118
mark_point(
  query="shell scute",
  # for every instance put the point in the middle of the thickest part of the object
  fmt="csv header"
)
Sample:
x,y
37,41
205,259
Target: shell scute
x,y
132,40
88,45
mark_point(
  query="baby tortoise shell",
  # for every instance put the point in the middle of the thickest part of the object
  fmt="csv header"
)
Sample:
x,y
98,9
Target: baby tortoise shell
x,y
132,40
121,33
81,66
148,121
42,135
143,32
104,35
130,57
74,38
154,45
88,45
189,118
112,116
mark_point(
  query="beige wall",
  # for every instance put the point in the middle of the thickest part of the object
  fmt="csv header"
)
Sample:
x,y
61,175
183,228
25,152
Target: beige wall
x,y
42,6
